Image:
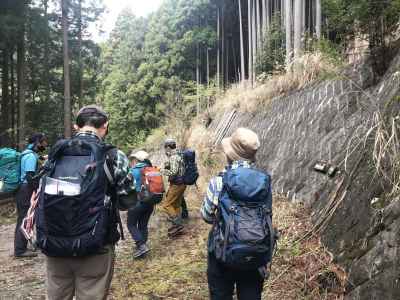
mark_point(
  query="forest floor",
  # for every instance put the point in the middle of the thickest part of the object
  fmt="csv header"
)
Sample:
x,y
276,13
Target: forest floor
x,y
176,269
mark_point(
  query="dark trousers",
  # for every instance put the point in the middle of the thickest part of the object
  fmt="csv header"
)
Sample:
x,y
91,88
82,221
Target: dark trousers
x,y
185,212
222,280
138,221
23,199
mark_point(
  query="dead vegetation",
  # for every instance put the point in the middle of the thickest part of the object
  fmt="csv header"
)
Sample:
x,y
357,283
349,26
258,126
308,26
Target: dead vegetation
x,y
305,70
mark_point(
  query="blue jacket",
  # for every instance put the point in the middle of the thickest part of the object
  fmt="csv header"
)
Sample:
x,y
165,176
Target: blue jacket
x,y
136,172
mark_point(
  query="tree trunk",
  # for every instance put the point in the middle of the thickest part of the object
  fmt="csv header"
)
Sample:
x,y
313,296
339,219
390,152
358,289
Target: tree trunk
x,y
318,18
47,52
254,39
12,102
242,70
288,30
223,46
218,49
250,63
67,92
303,16
268,13
198,78
80,66
298,26
258,24
21,86
4,135
264,25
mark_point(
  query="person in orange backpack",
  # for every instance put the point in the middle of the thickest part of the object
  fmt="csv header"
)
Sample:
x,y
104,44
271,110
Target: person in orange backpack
x,y
150,188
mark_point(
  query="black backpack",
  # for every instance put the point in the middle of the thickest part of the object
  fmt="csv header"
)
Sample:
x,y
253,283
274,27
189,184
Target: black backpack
x,y
191,173
77,214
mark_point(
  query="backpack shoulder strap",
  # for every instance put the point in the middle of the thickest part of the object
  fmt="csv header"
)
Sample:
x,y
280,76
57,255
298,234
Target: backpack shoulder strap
x,y
110,155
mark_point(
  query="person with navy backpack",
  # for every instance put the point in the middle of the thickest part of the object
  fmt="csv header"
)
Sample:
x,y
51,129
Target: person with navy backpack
x,y
174,169
28,183
181,170
77,216
238,203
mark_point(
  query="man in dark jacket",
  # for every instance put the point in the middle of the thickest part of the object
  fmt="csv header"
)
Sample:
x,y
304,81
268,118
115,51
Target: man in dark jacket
x,y
89,277
29,182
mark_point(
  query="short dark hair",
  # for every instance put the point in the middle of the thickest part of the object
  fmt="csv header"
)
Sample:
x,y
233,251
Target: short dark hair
x,y
91,115
37,138
91,119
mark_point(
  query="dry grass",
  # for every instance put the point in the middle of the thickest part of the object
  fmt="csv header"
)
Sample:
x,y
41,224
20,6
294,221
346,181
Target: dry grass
x,y
303,71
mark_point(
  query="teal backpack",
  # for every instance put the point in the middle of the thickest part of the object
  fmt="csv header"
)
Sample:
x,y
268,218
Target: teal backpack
x,y
10,170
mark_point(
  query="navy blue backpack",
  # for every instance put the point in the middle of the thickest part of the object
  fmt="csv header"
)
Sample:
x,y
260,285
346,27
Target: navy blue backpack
x,y
242,236
191,172
76,215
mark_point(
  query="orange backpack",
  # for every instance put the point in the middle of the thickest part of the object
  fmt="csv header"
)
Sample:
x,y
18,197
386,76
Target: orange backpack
x,y
152,190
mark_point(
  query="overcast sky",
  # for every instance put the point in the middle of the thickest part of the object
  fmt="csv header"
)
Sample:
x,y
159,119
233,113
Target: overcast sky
x,y
114,7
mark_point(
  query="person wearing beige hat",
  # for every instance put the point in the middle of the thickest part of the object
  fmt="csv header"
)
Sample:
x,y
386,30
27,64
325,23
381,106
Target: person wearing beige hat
x,y
238,185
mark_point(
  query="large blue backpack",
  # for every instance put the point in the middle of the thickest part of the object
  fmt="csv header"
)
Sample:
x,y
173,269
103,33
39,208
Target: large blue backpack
x,y
242,236
10,169
76,215
191,173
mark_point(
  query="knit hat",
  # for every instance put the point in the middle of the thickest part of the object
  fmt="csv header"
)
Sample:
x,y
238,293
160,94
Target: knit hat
x,y
140,155
242,145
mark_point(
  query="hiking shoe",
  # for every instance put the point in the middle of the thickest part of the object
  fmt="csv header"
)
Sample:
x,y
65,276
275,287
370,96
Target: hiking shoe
x,y
26,254
141,250
185,214
175,230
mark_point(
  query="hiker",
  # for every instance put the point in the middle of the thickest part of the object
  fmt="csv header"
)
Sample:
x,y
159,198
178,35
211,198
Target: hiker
x,y
172,205
235,254
85,177
29,182
139,216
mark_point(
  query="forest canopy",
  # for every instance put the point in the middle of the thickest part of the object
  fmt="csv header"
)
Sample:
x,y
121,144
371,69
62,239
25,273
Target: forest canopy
x,y
167,65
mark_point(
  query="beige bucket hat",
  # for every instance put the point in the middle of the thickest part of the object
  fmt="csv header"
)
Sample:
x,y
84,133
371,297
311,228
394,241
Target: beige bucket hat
x,y
242,145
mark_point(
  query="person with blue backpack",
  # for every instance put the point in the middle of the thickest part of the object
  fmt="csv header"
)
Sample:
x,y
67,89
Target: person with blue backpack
x,y
28,183
238,203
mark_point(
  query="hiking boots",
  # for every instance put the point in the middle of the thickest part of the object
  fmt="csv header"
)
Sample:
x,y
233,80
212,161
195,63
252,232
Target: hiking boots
x,y
26,254
140,251
185,214
175,230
